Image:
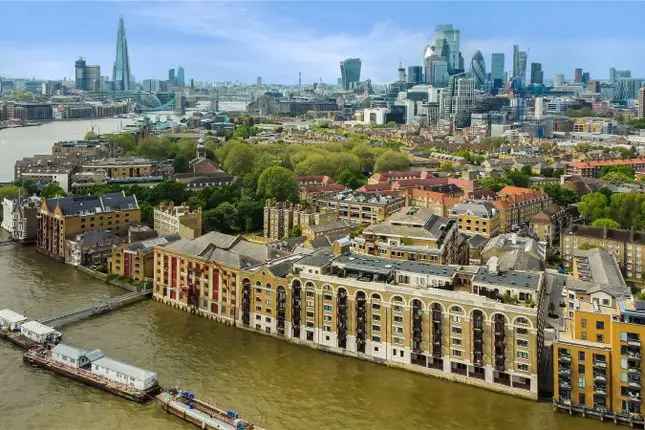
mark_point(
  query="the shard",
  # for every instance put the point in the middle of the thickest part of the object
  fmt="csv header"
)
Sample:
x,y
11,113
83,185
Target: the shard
x,y
121,72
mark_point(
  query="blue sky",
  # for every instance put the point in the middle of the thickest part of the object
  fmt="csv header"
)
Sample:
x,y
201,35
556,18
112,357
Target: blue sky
x,y
241,40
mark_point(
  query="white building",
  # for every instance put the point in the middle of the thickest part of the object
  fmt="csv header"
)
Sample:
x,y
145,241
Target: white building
x,y
123,373
74,357
374,116
10,320
39,333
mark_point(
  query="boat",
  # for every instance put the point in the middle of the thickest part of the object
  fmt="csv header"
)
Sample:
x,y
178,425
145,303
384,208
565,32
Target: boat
x,y
186,406
42,357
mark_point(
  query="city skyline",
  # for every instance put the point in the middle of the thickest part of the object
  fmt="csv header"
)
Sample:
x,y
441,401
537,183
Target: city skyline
x,y
209,40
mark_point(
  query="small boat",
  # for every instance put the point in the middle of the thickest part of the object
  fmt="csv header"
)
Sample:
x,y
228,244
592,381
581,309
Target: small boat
x,y
186,406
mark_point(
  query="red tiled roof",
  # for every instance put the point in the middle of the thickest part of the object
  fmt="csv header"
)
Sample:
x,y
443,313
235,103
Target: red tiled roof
x,y
603,163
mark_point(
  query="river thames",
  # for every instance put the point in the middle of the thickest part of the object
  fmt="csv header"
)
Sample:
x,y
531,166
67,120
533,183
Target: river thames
x,y
270,382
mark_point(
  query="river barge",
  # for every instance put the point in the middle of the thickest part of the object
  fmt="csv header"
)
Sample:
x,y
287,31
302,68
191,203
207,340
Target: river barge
x,y
42,357
184,405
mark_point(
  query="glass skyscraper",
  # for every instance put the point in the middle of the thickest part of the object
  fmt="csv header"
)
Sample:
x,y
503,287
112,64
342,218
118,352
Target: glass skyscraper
x,y
478,69
121,72
497,69
350,72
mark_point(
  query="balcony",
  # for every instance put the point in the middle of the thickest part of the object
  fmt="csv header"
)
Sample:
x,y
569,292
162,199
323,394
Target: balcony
x,y
564,359
564,372
599,378
600,364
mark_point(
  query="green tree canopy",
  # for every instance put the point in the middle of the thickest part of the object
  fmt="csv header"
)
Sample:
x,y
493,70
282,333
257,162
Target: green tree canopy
x,y
593,206
391,160
278,183
605,222
240,158
52,190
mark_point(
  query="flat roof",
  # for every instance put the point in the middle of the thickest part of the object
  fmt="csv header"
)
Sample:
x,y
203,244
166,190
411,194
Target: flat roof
x,y
38,328
11,316
124,368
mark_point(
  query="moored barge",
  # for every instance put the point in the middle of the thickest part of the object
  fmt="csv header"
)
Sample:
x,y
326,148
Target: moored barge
x,y
78,370
184,405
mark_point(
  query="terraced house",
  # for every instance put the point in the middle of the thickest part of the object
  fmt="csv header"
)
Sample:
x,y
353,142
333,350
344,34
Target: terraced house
x,y
471,324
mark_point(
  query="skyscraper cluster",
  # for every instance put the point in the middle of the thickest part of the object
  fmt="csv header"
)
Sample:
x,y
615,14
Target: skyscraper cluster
x,y
520,59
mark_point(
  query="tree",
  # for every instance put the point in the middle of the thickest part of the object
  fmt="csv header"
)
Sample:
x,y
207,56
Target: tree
x,y
52,190
492,183
9,192
605,222
240,159
167,191
391,160
517,178
560,195
278,183
593,206
351,179
223,218
616,178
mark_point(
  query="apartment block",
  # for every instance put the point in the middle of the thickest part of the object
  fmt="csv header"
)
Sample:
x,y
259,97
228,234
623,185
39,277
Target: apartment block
x,y
62,218
135,260
170,219
626,246
597,356
471,324
477,217
516,206
359,207
414,234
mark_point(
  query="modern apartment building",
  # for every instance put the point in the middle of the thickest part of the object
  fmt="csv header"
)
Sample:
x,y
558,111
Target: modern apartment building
x,y
470,324
414,234
182,220
597,357
627,247
122,168
63,218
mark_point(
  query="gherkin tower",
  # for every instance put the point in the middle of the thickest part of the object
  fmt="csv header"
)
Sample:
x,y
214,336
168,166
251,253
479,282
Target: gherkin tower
x,y
121,72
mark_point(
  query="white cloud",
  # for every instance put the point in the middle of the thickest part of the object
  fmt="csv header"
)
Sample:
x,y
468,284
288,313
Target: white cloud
x,y
278,48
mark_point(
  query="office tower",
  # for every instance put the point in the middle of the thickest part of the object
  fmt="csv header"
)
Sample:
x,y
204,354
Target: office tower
x,y
121,73
519,64
586,77
497,69
88,78
458,99
350,72
537,75
258,81
415,74
641,103
593,86
181,80
401,71
558,80
627,89
478,69
172,78
577,75
446,44
437,70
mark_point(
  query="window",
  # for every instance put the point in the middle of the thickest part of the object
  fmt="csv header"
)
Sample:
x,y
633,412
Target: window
x,y
600,325
600,338
583,323
581,356
523,343
523,355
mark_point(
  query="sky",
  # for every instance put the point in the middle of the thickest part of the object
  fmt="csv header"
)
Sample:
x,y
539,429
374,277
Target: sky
x,y
241,40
